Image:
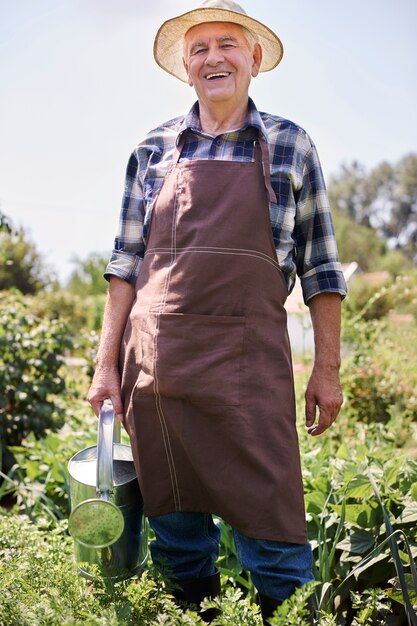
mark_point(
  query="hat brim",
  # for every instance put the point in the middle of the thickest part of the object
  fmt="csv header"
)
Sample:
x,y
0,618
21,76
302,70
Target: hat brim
x,y
168,45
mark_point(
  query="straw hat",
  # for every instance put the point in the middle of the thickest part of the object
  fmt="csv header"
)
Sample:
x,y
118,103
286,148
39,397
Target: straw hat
x,y
168,45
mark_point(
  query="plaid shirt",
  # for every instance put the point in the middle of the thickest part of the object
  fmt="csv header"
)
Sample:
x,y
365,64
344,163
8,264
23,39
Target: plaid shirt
x,y
301,221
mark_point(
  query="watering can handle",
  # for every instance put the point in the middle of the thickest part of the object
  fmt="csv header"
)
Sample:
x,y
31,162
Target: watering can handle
x,y
108,432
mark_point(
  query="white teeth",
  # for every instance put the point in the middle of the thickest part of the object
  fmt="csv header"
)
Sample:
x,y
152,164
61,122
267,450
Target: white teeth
x,y
217,75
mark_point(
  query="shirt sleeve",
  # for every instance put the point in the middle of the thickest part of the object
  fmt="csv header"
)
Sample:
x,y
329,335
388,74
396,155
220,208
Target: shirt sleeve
x,y
127,255
317,259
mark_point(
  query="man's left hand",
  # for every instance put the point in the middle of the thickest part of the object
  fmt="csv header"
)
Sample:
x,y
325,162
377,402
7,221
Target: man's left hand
x,y
324,393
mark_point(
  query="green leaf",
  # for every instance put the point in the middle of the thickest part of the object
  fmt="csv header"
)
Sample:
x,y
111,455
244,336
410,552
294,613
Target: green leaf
x,y
359,487
358,542
365,515
370,564
32,469
414,491
408,515
395,593
344,452
315,502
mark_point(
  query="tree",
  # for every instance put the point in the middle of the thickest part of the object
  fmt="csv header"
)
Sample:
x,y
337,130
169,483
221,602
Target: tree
x,y
21,265
357,242
384,199
348,193
87,278
402,225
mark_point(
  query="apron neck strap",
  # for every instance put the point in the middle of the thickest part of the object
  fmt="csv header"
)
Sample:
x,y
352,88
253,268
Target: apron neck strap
x,y
267,170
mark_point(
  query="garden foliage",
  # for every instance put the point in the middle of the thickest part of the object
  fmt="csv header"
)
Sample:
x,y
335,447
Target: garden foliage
x,y
363,544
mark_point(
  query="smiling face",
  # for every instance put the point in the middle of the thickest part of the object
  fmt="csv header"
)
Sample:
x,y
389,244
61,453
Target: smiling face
x,y
220,63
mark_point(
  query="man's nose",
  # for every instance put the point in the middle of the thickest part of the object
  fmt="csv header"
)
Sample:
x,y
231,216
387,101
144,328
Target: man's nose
x,y
214,55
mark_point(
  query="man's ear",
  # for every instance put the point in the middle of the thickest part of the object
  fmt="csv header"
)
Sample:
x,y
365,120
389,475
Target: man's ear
x,y
190,82
257,59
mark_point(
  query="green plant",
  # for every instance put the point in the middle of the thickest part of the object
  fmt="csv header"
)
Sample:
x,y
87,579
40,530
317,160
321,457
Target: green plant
x,y
411,616
32,387
39,478
230,567
39,584
235,610
347,525
296,609
375,610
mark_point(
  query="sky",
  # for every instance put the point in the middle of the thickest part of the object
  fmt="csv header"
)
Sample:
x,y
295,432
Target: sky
x,y
79,88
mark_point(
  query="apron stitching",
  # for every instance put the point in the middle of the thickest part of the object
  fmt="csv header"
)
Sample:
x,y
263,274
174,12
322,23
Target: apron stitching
x,y
162,420
203,248
230,251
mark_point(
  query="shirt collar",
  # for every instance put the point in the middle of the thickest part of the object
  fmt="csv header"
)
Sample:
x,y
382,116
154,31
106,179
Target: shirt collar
x,y
192,121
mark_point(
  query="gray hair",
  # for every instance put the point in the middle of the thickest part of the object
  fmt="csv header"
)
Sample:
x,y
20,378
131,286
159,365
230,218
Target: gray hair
x,y
251,38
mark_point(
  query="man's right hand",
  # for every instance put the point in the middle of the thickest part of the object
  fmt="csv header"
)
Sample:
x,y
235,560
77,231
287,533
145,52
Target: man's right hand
x,y
106,386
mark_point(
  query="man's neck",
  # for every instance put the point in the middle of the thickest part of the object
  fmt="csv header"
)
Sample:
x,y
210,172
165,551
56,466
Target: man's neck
x,y
217,120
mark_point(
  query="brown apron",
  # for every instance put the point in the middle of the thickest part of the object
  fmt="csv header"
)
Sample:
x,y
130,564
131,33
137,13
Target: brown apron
x,y
207,376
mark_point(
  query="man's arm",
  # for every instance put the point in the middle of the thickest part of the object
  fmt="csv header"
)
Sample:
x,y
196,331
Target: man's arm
x,y
324,390
106,380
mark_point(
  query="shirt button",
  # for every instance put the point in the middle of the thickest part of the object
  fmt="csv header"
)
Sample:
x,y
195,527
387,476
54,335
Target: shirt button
x,y
218,142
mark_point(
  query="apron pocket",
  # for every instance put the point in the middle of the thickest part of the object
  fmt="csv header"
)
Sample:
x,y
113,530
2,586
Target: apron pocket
x,y
195,357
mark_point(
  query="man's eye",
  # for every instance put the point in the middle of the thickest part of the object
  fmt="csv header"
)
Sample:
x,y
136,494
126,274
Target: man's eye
x,y
198,50
227,45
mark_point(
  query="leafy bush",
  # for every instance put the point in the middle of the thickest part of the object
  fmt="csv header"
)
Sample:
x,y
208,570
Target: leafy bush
x,y
379,371
369,301
31,385
80,313
379,376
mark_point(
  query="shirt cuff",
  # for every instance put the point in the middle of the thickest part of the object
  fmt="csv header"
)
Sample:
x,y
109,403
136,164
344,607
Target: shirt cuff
x,y
322,279
125,266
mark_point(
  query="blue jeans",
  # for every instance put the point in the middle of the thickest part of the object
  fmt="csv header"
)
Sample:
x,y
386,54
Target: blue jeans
x,y
187,547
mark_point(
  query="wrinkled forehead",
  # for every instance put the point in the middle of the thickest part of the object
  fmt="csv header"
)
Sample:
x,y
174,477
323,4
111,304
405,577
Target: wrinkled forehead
x,y
209,30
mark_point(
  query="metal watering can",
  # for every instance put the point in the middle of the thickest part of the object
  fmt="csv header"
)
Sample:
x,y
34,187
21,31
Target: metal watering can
x,y
107,521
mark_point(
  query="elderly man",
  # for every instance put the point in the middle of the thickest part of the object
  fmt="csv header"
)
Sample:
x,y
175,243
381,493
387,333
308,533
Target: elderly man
x,y
221,208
